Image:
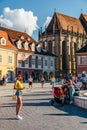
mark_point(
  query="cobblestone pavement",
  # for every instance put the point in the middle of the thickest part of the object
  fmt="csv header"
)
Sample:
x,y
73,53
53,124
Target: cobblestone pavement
x,y
37,112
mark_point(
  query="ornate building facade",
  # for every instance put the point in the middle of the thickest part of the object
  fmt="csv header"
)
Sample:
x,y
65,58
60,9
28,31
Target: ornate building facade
x,y
63,37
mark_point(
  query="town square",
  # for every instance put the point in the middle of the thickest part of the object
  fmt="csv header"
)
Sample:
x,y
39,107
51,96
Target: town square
x,y
43,65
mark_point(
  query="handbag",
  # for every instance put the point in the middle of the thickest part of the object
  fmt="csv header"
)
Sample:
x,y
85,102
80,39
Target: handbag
x,y
14,97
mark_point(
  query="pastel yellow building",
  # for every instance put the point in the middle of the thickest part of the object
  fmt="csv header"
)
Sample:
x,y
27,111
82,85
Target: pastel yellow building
x,y
8,54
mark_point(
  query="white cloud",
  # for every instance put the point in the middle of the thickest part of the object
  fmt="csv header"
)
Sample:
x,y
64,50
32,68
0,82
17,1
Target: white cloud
x,y
19,19
48,19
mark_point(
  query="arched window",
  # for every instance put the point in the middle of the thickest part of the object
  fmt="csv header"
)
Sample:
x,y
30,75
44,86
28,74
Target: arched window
x,y
75,49
64,57
50,46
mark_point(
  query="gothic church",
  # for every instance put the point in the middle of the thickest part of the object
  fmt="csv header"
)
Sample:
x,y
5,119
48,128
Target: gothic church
x,y
63,37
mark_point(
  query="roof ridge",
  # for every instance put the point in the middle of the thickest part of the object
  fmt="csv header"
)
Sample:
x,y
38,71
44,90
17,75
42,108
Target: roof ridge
x,y
66,15
11,29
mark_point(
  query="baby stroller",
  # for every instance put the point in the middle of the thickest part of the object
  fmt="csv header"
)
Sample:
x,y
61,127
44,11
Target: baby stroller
x,y
61,95
57,92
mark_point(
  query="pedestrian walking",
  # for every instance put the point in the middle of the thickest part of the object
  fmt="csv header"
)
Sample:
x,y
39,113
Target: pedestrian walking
x,y
30,81
6,80
3,80
19,87
42,81
52,80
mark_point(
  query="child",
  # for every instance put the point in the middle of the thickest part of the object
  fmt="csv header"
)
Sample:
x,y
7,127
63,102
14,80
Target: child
x,y
30,81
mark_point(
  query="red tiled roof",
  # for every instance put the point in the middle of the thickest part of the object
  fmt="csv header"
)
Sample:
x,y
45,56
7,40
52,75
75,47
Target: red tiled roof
x,y
15,35
70,22
82,50
8,45
85,17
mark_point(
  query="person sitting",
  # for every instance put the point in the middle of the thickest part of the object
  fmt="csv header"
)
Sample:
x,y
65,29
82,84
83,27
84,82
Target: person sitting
x,y
71,91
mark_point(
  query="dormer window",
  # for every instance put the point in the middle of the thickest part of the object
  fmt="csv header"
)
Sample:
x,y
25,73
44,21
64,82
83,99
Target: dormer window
x,y
45,44
19,44
39,48
22,37
3,41
33,47
26,45
28,39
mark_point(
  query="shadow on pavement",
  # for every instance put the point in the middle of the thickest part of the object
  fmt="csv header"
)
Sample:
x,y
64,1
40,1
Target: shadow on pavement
x,y
70,110
40,94
4,118
36,104
83,122
8,105
28,99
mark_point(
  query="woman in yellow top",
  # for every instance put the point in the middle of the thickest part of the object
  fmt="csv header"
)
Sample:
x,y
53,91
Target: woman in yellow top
x,y
19,87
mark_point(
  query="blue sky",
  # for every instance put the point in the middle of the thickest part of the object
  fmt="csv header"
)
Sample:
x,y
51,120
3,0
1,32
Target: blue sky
x,y
40,9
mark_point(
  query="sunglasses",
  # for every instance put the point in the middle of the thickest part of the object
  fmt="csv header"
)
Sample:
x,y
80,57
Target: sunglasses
x,y
19,76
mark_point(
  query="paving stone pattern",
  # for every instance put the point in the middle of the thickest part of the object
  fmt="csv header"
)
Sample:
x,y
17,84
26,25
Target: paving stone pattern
x,y
37,112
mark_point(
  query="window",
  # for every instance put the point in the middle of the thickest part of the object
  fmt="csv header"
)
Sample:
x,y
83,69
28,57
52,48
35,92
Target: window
x,y
26,46
51,63
19,63
28,39
50,46
18,44
20,57
26,62
0,58
19,72
33,47
33,61
39,61
78,60
22,37
3,41
9,59
45,44
83,59
45,62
